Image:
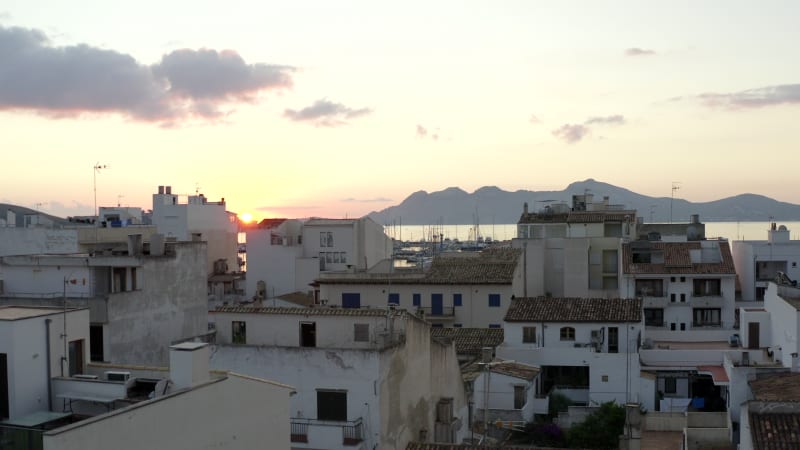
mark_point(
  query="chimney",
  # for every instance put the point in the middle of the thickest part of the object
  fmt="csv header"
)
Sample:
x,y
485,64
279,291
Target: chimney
x,y
188,364
161,190
694,218
134,244
168,190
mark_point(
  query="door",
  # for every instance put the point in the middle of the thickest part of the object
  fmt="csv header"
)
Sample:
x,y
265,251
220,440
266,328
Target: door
x,y
752,335
351,300
3,386
437,305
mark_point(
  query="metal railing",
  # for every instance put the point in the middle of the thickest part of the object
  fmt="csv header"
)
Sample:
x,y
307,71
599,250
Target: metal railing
x,y
352,430
353,434
299,431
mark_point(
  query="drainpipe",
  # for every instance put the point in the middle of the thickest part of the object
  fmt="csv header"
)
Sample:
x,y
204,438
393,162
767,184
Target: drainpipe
x,y
49,377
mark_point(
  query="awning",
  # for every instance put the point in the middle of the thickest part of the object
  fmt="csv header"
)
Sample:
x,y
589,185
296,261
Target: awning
x,y
717,373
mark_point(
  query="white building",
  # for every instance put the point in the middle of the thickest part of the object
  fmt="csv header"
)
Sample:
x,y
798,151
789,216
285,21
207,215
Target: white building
x,y
770,419
34,348
688,288
198,219
758,262
586,348
365,378
504,391
573,252
457,290
287,255
142,296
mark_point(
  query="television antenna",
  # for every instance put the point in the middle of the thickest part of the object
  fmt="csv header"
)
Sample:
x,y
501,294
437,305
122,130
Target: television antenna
x,y
675,187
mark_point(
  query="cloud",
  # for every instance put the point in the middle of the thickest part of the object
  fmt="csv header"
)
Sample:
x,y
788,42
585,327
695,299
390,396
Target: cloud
x,y
608,120
325,113
788,94
634,51
367,200
571,133
533,119
423,132
69,81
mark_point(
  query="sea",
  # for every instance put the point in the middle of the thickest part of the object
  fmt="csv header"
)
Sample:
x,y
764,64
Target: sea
x,y
733,231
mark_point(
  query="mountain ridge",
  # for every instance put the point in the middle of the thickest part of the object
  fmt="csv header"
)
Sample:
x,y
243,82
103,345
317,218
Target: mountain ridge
x,y
490,204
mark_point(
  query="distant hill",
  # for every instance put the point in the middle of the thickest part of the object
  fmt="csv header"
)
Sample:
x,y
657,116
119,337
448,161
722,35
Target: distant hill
x,y
491,204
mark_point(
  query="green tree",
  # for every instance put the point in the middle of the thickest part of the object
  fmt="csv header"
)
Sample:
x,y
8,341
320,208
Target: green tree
x,y
600,430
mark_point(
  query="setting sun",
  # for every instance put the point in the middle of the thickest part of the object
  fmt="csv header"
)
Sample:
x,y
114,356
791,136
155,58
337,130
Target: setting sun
x,y
245,217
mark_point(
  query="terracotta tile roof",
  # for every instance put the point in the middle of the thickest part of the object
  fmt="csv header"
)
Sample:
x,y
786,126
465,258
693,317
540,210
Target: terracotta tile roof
x,y
615,215
553,309
470,341
775,431
315,311
270,223
776,387
677,259
491,266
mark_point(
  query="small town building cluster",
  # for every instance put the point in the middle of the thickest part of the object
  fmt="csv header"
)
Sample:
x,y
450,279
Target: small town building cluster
x,y
134,330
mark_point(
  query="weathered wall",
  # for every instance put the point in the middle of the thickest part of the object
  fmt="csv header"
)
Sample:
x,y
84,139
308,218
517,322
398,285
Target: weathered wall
x,y
171,305
34,241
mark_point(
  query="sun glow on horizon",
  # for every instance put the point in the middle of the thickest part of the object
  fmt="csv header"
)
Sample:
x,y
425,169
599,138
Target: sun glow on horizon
x,y
246,217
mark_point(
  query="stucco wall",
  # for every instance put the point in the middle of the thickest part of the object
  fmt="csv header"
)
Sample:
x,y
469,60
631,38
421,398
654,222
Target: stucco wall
x,y
171,305
785,325
234,413
34,241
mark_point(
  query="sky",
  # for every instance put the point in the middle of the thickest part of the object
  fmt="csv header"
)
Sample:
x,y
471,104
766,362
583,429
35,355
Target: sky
x,y
336,109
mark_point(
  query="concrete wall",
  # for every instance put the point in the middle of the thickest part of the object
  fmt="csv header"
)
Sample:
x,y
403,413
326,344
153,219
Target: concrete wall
x,y
34,241
413,379
274,264
501,397
170,306
24,342
234,413
761,317
47,281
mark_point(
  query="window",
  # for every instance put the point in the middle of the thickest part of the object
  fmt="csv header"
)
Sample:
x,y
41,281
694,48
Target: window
x,y
683,298
672,326
672,298
707,287
457,325
325,239
567,334
343,257
683,279
361,332
604,378
654,317
613,339
495,325
683,326
650,288
529,335
519,397
332,405
416,299
351,300
308,334
394,299
437,325
672,279
76,357
456,299
494,300
670,385
238,332
706,317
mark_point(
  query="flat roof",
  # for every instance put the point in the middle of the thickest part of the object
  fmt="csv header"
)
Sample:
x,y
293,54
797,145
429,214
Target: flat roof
x,y
28,312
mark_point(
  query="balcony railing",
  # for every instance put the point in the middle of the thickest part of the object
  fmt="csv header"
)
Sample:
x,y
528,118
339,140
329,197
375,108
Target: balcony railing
x,y
299,431
324,430
445,311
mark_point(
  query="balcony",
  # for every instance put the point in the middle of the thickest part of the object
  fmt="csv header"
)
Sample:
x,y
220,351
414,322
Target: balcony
x,y
443,312
707,301
315,432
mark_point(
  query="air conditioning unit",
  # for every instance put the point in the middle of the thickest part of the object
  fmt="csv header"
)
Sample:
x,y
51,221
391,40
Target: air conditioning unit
x,y
117,376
